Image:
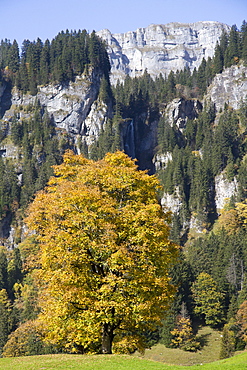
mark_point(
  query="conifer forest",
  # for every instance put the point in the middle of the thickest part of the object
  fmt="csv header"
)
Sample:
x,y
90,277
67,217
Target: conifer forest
x,y
90,262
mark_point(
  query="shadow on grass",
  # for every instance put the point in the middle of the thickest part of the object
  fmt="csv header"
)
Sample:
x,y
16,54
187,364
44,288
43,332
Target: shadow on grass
x,y
203,339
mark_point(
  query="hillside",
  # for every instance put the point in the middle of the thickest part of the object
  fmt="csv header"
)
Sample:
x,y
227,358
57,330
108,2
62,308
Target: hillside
x,y
173,97
161,48
106,363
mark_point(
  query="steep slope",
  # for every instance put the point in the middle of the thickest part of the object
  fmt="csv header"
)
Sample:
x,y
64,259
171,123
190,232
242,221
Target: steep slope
x,y
161,48
229,87
70,105
189,128
78,108
212,133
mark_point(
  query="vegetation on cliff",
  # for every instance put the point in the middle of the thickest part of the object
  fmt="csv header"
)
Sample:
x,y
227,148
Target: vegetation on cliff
x,y
211,274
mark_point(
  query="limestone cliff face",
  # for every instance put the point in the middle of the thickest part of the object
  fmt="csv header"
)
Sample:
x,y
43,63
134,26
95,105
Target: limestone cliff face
x,y
172,202
177,113
224,190
161,48
180,110
161,160
229,87
74,106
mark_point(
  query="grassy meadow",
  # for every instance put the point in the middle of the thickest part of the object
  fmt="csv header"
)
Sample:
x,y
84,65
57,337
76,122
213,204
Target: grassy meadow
x,y
111,362
210,351
156,358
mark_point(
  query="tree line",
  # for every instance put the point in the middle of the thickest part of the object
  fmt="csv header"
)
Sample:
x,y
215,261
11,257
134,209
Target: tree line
x,y
212,266
68,55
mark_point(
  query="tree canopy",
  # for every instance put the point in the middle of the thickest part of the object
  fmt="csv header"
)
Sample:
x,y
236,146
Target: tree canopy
x,y
104,254
208,300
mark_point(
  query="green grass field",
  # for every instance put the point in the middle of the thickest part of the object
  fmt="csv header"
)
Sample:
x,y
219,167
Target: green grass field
x,y
157,358
210,351
111,362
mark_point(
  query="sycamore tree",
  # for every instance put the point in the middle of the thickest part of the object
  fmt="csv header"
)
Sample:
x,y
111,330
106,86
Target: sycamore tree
x,y
104,255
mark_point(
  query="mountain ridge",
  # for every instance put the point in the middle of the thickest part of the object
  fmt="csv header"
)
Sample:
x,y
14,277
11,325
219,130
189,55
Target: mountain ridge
x,y
161,48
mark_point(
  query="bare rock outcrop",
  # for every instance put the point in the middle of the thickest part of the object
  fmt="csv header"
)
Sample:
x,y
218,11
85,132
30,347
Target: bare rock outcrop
x,y
224,190
229,87
73,106
180,110
161,48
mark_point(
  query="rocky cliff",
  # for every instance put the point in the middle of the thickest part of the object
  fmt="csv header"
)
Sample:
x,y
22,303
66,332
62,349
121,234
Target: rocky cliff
x,y
229,87
75,107
161,48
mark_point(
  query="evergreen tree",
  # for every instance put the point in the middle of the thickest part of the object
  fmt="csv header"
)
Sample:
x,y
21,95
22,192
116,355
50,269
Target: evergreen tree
x,y
226,141
94,49
13,57
218,61
168,324
45,63
244,41
105,90
14,271
4,53
3,269
224,40
5,318
227,342
232,52
171,86
201,81
23,83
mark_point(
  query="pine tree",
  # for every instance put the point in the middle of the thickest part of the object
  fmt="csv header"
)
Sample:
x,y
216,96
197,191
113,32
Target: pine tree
x,y
244,41
3,269
233,50
227,342
4,53
94,49
201,77
23,78
5,318
104,91
218,60
171,86
14,271
45,63
13,57
224,39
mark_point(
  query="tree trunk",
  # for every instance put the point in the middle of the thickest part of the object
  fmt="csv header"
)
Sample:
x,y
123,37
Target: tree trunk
x,y
107,338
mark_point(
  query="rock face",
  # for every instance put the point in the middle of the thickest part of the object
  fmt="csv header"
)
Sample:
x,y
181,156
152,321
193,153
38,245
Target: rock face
x,y
74,107
161,48
139,139
2,89
229,87
161,160
172,202
180,110
224,190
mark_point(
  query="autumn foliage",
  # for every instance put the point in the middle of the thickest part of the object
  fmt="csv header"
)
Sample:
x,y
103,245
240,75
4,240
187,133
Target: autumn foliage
x,y
242,320
104,254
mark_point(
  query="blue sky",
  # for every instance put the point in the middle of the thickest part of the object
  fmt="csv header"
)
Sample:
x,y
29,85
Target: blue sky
x,y
29,19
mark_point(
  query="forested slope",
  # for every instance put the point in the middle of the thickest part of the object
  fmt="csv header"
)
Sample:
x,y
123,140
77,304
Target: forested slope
x,y
190,155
